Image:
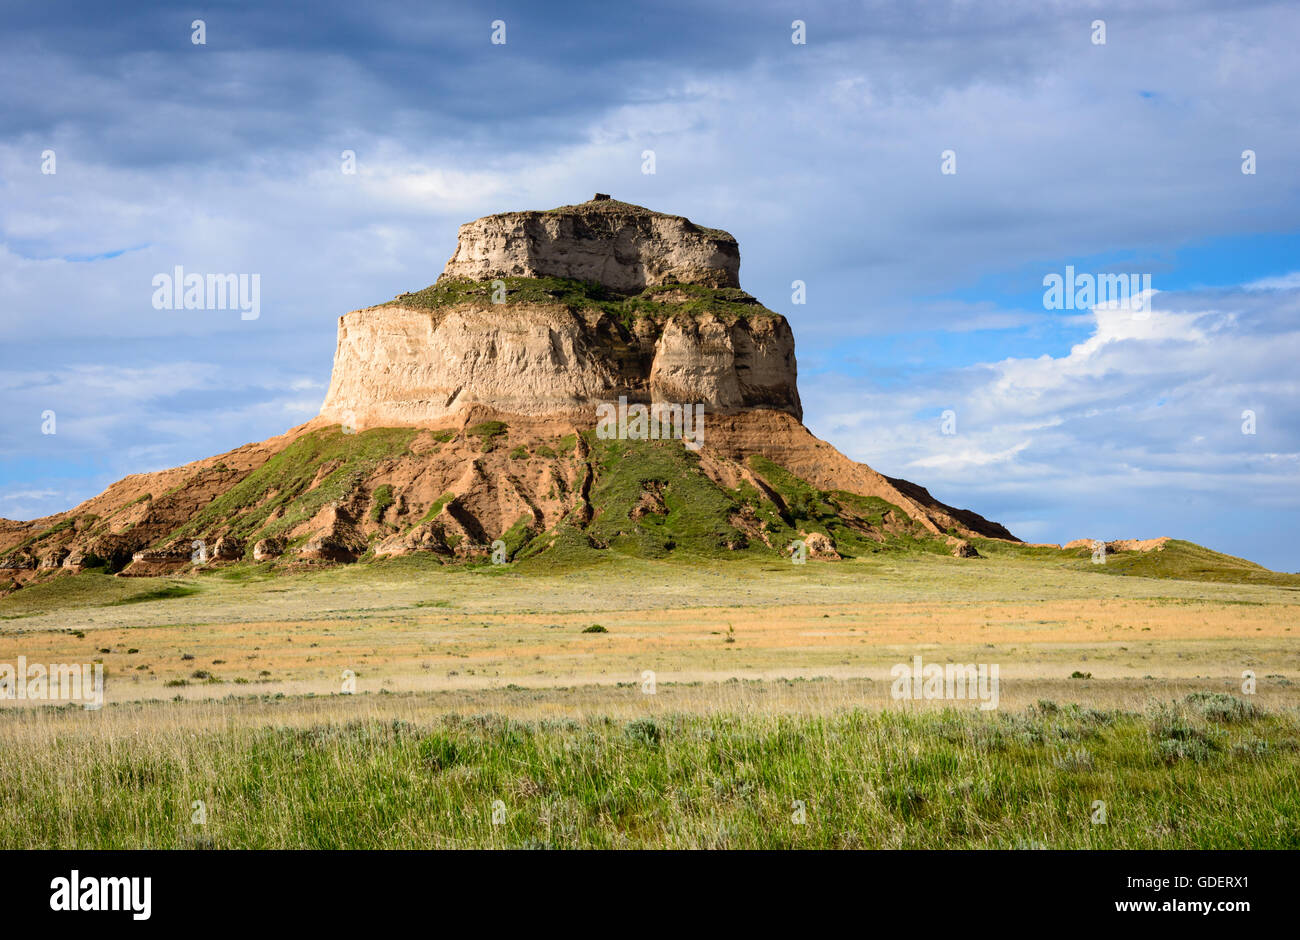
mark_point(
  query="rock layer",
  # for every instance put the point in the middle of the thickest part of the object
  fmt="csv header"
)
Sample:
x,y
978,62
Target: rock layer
x,y
625,247
407,366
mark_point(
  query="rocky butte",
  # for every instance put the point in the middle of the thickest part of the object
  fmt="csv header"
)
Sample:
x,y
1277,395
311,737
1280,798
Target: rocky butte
x,y
466,413
591,302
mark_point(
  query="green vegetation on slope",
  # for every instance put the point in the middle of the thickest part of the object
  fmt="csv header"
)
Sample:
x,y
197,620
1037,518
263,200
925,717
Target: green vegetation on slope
x,y
88,589
858,525
284,483
681,507
1178,559
1206,772
488,432
1188,561
650,498
174,589
436,508
380,500
588,295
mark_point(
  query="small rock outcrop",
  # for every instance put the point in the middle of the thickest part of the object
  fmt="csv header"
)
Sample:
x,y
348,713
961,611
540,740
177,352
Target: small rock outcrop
x,y
820,546
268,549
227,548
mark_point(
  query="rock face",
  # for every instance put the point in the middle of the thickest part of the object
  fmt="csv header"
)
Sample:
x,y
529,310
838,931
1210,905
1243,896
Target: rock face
x,y
401,365
268,549
625,247
428,357
227,549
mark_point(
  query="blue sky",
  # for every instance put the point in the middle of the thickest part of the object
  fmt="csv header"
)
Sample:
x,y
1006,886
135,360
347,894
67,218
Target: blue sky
x,y
924,290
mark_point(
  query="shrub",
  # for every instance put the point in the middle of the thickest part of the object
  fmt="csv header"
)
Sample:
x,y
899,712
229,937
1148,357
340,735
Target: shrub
x,y
644,731
1221,707
437,753
488,432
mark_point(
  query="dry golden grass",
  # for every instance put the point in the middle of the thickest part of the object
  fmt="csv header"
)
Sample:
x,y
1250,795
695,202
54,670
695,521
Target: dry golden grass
x,y
426,630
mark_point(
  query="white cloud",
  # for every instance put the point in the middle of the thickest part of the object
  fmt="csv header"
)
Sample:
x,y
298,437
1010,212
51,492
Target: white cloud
x,y
1143,413
1289,281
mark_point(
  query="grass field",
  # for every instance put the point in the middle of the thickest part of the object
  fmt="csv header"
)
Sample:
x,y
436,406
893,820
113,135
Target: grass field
x,y
483,689
1207,772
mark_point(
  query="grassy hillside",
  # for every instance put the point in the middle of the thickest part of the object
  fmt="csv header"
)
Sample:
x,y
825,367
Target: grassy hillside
x,y
280,494
649,499
93,588
638,499
1188,561
1177,560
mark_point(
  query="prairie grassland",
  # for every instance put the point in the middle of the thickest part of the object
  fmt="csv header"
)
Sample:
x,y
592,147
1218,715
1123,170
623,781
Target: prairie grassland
x,y
415,628
387,771
478,692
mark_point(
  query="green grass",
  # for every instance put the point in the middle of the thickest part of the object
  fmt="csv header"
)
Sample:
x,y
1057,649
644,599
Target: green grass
x,y
380,500
685,512
1188,561
588,295
85,589
1178,560
993,548
518,536
1177,776
284,483
158,594
849,519
436,508
488,432
696,510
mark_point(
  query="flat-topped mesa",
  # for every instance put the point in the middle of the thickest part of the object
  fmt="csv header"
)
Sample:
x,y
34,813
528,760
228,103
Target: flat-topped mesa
x,y
549,314
623,247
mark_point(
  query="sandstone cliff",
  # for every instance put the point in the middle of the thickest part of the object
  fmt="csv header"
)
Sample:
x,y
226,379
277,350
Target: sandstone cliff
x,y
401,364
625,247
551,313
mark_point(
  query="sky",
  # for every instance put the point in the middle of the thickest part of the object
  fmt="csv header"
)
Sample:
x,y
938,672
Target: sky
x,y
925,345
